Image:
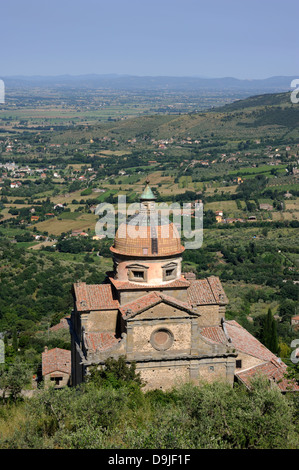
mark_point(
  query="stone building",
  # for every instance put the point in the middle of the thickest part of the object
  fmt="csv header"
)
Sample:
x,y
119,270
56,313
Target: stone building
x,y
171,325
56,367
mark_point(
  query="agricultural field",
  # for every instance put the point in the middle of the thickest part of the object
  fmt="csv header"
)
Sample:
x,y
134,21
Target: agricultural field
x,y
58,161
58,225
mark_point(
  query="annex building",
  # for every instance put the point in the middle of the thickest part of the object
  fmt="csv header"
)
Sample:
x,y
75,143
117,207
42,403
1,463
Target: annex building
x,y
170,324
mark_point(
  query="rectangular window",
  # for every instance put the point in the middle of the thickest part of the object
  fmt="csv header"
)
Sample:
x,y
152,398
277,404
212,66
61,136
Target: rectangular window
x,y
138,274
238,364
169,272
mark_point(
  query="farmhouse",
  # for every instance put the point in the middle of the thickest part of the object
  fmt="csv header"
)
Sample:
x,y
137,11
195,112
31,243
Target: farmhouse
x,y
56,367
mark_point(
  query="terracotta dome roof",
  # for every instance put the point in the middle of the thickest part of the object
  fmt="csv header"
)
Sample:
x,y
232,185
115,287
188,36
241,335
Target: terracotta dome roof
x,y
140,236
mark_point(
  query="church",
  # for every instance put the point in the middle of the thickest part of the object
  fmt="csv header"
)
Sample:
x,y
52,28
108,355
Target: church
x,y
169,323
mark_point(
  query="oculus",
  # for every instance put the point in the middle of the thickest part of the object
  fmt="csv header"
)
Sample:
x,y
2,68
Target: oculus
x,y
162,339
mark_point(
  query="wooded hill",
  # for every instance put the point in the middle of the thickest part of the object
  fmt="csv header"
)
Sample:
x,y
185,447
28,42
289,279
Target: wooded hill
x,y
267,115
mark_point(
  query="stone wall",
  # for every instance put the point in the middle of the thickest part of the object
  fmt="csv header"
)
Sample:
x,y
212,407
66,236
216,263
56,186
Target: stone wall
x,y
167,374
209,315
164,376
62,383
100,321
248,361
141,337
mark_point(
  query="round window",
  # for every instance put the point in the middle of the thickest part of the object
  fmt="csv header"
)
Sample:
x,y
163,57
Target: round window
x,y
162,339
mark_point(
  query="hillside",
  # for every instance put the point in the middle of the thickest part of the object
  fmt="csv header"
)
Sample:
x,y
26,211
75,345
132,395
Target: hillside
x,y
258,116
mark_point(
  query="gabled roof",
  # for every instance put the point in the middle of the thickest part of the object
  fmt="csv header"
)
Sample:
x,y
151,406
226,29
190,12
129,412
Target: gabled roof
x,y
140,304
215,334
151,299
274,371
100,341
55,360
240,339
94,297
243,341
206,291
100,296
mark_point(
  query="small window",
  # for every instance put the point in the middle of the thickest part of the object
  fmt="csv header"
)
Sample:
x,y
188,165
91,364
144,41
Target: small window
x,y
138,274
57,380
169,272
238,364
145,251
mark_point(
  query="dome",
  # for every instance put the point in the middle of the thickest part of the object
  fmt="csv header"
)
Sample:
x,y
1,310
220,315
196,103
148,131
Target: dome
x,y
147,236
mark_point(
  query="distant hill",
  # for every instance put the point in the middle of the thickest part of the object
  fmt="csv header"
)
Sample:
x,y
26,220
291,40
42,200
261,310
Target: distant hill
x,y
266,99
131,82
258,116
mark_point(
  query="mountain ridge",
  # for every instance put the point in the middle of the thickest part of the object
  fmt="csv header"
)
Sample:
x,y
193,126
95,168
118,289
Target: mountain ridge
x,y
123,81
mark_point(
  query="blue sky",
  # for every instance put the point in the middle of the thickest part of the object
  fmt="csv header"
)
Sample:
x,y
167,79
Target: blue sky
x,y
211,38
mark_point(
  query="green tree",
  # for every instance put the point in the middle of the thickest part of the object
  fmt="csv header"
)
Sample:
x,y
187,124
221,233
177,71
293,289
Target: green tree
x,y
286,310
269,332
115,373
14,339
14,379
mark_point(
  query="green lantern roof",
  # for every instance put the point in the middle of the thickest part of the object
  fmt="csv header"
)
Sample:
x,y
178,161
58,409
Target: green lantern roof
x,y
147,194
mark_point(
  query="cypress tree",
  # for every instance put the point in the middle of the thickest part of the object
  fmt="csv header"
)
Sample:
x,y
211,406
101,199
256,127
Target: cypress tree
x,y
274,339
267,329
269,333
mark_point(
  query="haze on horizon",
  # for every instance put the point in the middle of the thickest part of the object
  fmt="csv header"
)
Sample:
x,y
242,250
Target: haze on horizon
x,y
179,38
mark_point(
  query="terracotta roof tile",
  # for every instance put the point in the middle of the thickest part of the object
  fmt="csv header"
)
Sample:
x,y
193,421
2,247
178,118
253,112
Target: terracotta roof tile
x,y
149,300
174,301
56,360
140,304
100,341
274,371
243,341
94,297
136,238
217,289
200,293
214,333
